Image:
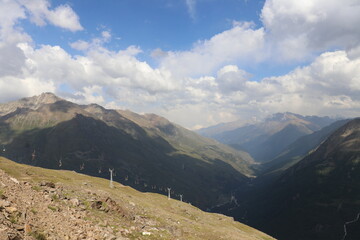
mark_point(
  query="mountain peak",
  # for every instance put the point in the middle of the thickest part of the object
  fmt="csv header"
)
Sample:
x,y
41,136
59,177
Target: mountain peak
x,y
33,102
286,116
44,98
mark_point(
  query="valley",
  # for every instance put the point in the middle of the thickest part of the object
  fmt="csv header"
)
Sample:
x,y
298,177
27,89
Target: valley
x,y
179,120
293,177
312,195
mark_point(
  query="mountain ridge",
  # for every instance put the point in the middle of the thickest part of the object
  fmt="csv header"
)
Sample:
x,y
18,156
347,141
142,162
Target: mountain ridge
x,y
264,140
313,198
147,152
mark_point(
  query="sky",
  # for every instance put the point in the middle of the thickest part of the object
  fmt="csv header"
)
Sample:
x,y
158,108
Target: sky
x,y
196,62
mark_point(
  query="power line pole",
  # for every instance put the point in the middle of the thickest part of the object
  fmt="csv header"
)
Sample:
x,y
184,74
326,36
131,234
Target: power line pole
x,y
111,177
169,189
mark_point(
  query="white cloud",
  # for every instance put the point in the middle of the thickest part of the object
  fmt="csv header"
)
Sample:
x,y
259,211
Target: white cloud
x,y
298,28
241,43
205,85
191,6
330,85
10,14
12,59
89,94
99,72
80,45
62,16
158,53
13,88
95,43
230,78
106,35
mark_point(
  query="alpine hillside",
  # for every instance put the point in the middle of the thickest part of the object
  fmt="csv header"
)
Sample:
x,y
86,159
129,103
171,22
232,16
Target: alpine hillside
x,y
145,151
45,204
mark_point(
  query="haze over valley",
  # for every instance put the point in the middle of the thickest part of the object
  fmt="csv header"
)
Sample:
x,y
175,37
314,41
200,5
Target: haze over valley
x,y
179,119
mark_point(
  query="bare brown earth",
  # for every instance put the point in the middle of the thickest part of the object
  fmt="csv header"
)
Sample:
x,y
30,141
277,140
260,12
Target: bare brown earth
x,y
37,203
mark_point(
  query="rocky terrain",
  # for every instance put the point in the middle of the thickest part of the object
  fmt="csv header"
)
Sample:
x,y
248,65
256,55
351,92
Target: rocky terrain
x,y
37,203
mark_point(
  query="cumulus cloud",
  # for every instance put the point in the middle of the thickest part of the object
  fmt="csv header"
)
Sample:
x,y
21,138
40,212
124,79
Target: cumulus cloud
x,y
158,53
28,70
12,59
98,67
230,79
95,43
204,85
298,28
10,14
80,45
239,44
292,30
330,84
13,88
18,73
62,16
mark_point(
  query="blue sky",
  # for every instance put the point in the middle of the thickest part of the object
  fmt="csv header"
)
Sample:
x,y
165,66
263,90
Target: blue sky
x,y
165,24
196,62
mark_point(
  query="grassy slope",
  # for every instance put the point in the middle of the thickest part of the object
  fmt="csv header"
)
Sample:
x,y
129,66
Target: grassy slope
x,y
177,218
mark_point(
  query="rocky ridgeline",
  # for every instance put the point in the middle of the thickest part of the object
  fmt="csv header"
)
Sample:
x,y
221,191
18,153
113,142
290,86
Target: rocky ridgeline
x,y
30,102
45,211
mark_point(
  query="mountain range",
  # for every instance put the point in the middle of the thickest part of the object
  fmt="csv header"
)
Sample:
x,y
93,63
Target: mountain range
x,y
294,177
313,198
265,140
145,151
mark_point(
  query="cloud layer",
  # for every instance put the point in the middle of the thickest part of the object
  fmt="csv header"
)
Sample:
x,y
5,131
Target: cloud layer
x,y
204,85
297,29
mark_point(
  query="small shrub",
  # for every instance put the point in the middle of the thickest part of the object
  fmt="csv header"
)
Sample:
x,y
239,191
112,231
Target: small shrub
x,y
36,188
38,235
34,211
52,208
55,197
2,194
13,219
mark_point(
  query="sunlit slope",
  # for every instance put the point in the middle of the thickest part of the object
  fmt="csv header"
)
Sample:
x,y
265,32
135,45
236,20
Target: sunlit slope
x,y
87,206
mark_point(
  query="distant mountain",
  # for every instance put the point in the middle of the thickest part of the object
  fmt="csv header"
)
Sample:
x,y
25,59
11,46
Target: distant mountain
x,y
146,151
299,149
314,198
267,139
224,127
